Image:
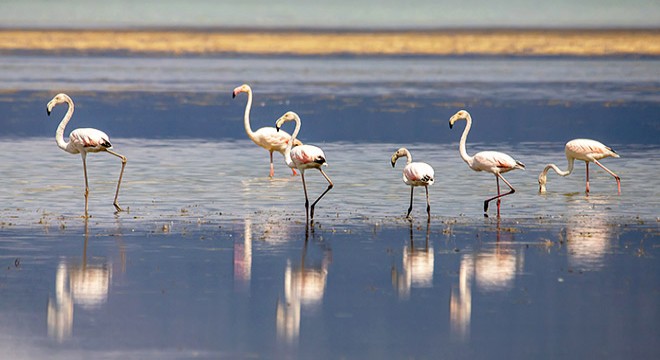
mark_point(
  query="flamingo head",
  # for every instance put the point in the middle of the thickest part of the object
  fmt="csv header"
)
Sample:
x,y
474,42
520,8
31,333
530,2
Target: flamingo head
x,y
399,153
243,88
58,99
289,116
461,115
542,181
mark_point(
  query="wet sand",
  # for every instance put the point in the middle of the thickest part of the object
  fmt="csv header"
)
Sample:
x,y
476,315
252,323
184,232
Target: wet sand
x,y
464,42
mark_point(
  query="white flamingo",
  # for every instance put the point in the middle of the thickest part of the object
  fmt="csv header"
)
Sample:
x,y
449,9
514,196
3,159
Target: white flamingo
x,y
581,149
266,137
303,157
83,141
493,162
415,174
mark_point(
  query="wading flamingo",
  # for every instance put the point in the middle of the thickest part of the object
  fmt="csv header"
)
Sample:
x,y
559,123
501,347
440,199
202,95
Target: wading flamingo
x,y
83,141
581,149
415,174
266,137
493,162
303,157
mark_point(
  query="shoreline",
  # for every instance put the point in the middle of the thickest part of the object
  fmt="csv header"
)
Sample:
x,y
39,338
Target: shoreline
x,y
458,42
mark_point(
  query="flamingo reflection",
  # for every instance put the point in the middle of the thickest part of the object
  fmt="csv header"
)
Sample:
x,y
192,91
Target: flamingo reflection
x,y
417,267
76,283
243,258
492,269
304,286
588,236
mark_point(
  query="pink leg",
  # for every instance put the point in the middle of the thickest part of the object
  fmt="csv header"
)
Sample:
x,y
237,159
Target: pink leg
x,y
618,179
587,176
302,176
499,195
272,170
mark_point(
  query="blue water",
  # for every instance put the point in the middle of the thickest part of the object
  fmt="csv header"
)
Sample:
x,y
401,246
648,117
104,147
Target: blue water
x,y
213,258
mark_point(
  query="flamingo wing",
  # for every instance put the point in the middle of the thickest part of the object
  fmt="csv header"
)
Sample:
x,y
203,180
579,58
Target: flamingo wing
x,y
273,140
307,156
495,162
587,149
418,173
90,139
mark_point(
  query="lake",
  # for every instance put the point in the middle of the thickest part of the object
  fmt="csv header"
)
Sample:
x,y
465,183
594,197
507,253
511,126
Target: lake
x,y
213,259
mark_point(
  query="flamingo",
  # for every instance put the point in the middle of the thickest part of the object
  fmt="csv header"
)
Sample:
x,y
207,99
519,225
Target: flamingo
x,y
582,149
267,137
415,174
83,141
494,162
303,157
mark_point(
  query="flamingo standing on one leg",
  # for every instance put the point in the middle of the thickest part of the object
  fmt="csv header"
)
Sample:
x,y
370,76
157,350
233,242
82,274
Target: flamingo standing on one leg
x,y
493,162
266,137
582,149
303,157
415,174
83,141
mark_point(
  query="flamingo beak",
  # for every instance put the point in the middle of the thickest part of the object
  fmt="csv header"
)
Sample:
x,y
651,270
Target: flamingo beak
x,y
233,94
277,127
48,111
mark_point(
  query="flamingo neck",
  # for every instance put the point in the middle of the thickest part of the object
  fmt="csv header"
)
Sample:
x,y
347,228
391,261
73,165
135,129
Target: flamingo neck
x,y
246,116
289,145
59,133
462,148
544,175
408,157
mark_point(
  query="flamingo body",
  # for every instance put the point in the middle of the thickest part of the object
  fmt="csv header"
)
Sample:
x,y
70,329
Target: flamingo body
x,y
267,137
586,150
304,157
83,141
415,174
494,162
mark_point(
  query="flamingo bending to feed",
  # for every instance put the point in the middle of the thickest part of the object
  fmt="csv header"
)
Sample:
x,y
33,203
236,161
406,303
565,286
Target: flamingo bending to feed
x,y
493,162
266,137
83,141
303,157
581,149
415,174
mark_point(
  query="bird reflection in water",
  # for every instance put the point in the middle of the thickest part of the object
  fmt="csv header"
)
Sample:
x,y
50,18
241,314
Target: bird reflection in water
x,y
417,267
587,236
76,283
243,259
491,269
304,286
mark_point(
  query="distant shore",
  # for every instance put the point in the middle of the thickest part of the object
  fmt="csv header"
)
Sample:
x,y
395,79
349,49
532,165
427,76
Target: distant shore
x,y
373,43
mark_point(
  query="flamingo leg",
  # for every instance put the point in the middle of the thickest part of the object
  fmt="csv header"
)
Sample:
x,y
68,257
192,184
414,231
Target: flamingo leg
x,y
302,176
84,160
272,169
586,162
412,188
121,174
428,205
618,179
330,185
499,176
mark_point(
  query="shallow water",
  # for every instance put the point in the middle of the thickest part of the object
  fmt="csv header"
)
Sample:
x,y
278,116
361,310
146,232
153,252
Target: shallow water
x,y
212,259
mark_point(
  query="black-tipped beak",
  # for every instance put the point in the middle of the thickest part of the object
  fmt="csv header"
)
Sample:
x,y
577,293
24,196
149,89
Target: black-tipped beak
x,y
233,94
48,111
451,125
277,128
393,163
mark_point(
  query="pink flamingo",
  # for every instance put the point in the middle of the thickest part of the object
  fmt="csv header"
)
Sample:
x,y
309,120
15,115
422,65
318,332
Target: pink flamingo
x,y
415,174
303,157
493,162
266,137
582,149
83,141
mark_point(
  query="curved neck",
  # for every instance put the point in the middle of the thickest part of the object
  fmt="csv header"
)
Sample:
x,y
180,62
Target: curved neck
x,y
289,145
246,117
558,170
461,147
59,134
408,156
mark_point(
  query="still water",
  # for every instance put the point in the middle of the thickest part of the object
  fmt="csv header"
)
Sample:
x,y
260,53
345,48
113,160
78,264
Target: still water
x,y
213,258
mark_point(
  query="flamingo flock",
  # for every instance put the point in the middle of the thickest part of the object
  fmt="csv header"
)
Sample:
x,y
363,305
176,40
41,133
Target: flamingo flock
x,y
299,156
